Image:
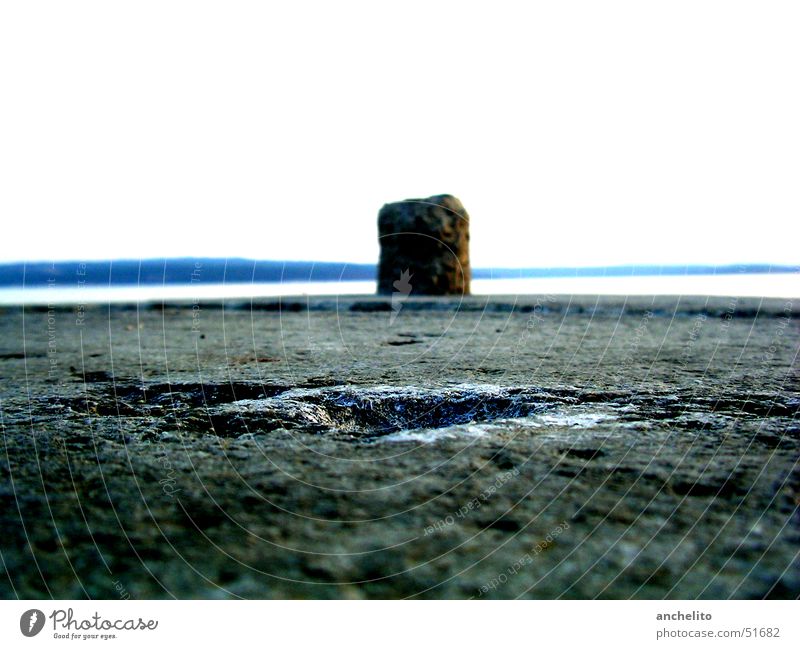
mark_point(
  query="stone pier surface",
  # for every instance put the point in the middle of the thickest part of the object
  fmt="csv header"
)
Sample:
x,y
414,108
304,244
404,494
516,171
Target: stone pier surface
x,y
424,247
623,447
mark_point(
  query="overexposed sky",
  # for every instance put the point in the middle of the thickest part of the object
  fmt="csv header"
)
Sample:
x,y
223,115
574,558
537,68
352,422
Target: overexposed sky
x,y
575,133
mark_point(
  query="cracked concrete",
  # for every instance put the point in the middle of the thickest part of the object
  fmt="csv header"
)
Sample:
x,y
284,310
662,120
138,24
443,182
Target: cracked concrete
x,y
307,448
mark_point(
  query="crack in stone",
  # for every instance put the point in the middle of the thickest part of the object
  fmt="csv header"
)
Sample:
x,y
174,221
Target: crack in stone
x,y
232,409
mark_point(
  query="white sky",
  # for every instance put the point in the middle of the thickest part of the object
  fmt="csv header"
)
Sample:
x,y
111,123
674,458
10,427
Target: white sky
x,y
575,133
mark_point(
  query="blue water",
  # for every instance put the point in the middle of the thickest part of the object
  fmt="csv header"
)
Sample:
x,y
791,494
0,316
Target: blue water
x,y
781,285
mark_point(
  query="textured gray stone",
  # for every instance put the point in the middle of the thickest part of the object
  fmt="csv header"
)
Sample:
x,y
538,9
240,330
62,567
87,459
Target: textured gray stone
x,y
262,460
424,247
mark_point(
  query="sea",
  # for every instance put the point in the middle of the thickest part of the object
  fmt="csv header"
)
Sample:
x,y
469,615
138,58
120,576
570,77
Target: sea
x,y
768,285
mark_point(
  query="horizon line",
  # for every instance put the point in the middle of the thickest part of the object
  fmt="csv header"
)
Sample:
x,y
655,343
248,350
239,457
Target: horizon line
x,y
790,267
